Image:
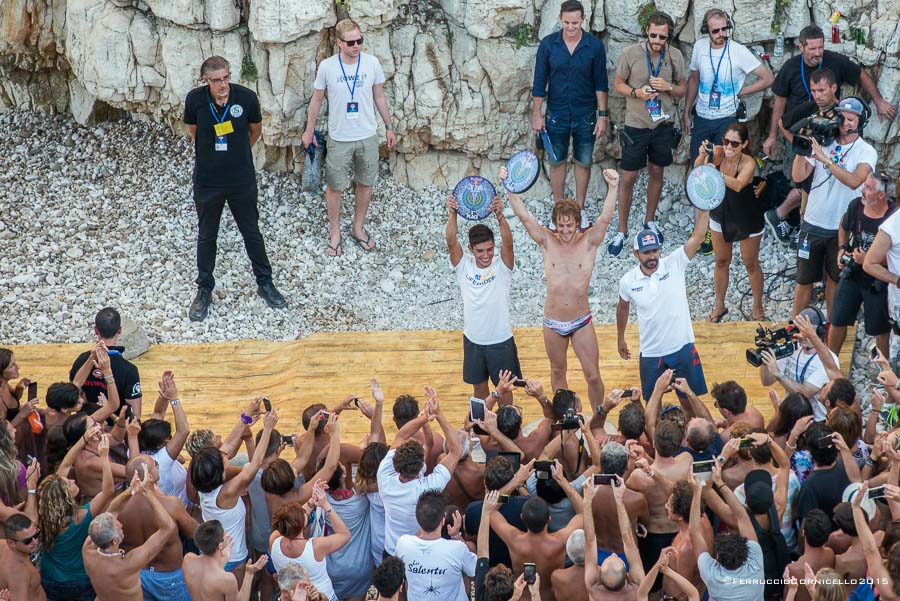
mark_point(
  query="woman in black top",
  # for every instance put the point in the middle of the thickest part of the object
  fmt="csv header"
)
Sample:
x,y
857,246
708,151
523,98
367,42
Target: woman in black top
x,y
738,219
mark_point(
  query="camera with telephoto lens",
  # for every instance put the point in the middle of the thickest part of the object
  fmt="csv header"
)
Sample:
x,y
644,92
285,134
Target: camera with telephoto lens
x,y
779,342
569,421
825,128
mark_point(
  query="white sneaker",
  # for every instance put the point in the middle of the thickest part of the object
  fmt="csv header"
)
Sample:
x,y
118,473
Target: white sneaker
x,y
585,222
654,227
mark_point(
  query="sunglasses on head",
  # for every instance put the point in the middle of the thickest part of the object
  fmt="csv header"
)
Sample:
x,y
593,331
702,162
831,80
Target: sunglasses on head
x,y
719,30
658,36
30,539
357,42
732,143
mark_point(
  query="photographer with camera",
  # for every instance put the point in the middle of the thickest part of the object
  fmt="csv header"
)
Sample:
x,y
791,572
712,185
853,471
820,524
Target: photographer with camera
x,y
839,167
809,367
823,91
859,227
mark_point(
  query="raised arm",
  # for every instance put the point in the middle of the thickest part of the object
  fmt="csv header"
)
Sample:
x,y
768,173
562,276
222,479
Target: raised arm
x,y
635,567
376,427
696,532
84,371
182,428
692,405
557,473
597,233
237,486
331,459
325,545
107,485
232,442
490,503
537,232
69,460
454,449
693,243
507,252
870,546
745,527
409,429
112,392
304,446
591,569
453,245
139,557
651,411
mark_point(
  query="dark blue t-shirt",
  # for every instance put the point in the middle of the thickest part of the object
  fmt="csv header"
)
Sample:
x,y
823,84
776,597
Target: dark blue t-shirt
x,y
715,448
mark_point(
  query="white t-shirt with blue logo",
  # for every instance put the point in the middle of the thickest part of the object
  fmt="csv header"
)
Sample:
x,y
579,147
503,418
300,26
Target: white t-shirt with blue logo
x,y
337,80
485,296
733,69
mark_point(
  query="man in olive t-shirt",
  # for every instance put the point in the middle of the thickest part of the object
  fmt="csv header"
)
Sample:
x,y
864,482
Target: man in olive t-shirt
x,y
650,75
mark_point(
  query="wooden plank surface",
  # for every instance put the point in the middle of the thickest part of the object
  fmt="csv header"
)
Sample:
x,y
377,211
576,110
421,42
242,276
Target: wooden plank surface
x,y
216,380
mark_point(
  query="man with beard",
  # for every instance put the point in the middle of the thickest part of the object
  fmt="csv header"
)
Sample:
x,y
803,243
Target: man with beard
x,y
657,288
650,75
569,257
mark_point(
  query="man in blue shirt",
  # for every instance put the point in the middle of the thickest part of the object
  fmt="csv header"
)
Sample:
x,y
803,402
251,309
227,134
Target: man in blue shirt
x,y
570,73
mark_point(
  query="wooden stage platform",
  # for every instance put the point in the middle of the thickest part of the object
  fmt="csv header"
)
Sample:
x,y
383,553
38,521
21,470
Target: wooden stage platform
x,y
215,380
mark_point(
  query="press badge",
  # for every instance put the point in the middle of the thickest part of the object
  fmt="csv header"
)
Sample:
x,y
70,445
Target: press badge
x,y
224,128
352,110
803,248
715,99
221,144
654,108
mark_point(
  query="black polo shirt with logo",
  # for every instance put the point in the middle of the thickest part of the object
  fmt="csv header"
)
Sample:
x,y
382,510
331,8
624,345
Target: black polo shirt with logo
x,y
128,380
231,167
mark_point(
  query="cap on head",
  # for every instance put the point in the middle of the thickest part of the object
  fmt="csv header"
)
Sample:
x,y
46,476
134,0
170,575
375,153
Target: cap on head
x,y
758,491
646,240
851,105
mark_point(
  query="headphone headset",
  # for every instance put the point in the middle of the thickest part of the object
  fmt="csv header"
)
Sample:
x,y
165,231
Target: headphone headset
x,y
821,329
669,21
704,27
863,119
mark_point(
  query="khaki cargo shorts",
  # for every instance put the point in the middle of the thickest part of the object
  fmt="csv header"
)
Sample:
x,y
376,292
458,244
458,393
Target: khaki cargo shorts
x,y
362,155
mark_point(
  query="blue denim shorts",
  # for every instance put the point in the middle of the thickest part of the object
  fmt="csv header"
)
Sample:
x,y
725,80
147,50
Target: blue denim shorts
x,y
580,130
707,129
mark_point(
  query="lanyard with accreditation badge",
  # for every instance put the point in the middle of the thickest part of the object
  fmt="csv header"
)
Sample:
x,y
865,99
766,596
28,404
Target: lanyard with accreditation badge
x,y
222,127
715,97
653,105
352,106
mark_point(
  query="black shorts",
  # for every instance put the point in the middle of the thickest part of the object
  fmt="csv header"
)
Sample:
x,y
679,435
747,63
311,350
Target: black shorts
x,y
640,145
855,291
483,361
650,547
822,255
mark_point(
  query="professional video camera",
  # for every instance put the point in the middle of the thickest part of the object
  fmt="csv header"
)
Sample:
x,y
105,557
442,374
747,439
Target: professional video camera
x,y
780,342
569,421
823,127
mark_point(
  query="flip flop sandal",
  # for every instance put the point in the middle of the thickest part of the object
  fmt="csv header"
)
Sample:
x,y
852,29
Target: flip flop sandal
x,y
718,317
337,250
364,243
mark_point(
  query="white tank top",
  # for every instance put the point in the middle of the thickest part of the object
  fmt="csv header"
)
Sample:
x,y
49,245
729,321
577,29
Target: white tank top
x,y
234,521
318,574
172,475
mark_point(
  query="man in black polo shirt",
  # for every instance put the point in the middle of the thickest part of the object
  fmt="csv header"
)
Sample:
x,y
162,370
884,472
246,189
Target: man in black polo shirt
x,y
792,88
108,328
224,121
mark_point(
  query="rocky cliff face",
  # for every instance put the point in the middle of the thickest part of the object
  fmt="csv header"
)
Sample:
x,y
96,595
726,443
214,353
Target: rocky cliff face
x,y
459,71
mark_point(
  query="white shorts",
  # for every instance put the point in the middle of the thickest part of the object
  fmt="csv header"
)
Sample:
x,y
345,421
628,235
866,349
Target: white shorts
x,y
715,226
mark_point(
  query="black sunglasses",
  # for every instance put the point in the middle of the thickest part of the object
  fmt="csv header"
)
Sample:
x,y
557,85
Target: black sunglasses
x,y
658,36
30,539
353,42
732,143
719,30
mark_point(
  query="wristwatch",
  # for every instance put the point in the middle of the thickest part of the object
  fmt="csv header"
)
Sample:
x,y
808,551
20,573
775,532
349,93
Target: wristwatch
x,y
601,411
603,113
174,402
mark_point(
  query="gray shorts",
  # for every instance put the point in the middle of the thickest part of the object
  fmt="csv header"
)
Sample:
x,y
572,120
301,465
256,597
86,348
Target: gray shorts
x,y
362,155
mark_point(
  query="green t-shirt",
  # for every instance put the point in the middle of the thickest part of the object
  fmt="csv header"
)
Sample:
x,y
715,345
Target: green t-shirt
x,y
63,562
